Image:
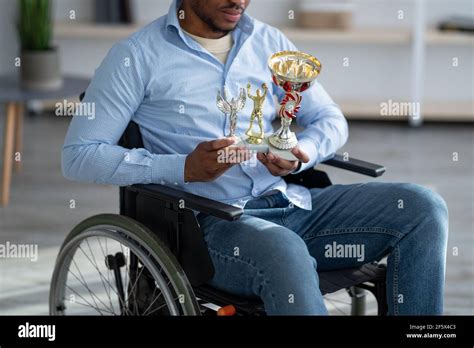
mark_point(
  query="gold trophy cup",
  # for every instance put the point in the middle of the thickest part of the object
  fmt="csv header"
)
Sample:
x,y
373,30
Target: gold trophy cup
x,y
293,71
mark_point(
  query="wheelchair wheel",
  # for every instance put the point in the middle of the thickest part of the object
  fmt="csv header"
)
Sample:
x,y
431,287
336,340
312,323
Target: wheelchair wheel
x,y
112,265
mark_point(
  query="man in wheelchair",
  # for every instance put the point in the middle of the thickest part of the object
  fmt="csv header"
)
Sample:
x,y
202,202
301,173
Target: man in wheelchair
x,y
164,78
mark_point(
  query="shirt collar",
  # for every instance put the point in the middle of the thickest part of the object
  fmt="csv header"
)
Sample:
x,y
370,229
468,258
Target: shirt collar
x,y
246,24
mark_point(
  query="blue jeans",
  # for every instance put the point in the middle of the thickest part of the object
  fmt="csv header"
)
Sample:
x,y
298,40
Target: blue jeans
x,y
275,249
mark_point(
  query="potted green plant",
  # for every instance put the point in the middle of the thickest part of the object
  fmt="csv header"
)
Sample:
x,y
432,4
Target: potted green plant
x,y
40,67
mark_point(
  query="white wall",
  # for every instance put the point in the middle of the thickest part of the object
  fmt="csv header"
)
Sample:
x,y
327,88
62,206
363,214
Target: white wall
x,y
377,13
384,71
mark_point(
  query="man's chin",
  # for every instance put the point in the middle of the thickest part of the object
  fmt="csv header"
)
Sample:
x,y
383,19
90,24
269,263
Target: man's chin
x,y
227,26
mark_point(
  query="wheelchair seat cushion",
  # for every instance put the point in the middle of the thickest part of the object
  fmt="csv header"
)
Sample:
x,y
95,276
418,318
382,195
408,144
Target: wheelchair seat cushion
x,y
331,281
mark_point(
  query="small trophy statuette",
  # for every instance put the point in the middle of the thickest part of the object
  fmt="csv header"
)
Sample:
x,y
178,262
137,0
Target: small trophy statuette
x,y
232,107
257,113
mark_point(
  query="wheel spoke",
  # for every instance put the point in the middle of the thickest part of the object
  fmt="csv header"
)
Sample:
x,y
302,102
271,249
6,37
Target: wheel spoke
x,y
87,305
99,310
107,290
155,299
97,267
126,277
134,294
84,284
163,305
153,302
100,273
134,284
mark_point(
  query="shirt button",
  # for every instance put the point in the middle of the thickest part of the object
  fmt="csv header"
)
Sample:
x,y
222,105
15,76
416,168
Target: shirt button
x,y
176,184
162,182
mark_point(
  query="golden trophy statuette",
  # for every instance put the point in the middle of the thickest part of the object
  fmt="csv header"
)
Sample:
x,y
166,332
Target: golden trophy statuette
x,y
257,113
293,71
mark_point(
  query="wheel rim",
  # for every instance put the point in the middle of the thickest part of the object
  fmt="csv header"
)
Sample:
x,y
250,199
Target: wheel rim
x,y
88,297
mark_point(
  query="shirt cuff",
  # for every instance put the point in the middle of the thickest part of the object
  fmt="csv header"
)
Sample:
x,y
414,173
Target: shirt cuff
x,y
168,170
309,147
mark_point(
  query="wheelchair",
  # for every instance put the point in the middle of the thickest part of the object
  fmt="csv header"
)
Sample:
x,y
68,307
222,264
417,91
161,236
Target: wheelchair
x,y
152,259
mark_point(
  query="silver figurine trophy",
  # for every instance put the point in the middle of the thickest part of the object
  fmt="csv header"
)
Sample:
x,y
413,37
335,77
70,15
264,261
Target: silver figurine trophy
x,y
231,107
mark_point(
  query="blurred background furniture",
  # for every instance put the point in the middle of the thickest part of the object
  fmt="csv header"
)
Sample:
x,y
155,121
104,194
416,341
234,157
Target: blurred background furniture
x,y
113,11
14,98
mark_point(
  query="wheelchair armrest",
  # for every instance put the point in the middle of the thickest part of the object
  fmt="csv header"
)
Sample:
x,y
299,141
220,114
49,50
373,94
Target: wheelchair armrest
x,y
191,201
357,166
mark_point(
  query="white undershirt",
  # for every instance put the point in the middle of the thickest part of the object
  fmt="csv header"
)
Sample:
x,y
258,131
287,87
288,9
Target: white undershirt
x,y
220,48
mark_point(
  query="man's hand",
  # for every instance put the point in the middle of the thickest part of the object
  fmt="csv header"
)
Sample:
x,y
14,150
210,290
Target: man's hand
x,y
210,159
281,167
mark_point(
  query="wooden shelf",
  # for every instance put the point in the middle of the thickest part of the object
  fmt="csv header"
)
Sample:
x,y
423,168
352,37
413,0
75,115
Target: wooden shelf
x,y
432,111
354,36
436,37
377,36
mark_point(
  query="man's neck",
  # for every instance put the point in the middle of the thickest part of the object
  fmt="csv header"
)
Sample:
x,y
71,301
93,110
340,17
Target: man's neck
x,y
195,25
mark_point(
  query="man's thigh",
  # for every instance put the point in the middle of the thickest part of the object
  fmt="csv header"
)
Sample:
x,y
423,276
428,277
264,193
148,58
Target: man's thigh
x,y
350,225
252,251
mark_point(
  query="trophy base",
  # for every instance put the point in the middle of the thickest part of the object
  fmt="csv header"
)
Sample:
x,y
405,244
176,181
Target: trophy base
x,y
254,139
283,144
265,146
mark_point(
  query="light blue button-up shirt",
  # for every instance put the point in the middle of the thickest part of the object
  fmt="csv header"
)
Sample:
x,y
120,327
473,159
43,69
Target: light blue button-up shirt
x,y
167,83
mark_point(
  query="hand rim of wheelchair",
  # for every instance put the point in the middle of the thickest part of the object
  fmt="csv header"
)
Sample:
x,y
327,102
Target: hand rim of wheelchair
x,y
142,240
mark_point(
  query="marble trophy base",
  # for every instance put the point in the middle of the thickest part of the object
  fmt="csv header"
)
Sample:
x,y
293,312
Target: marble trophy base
x,y
265,147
